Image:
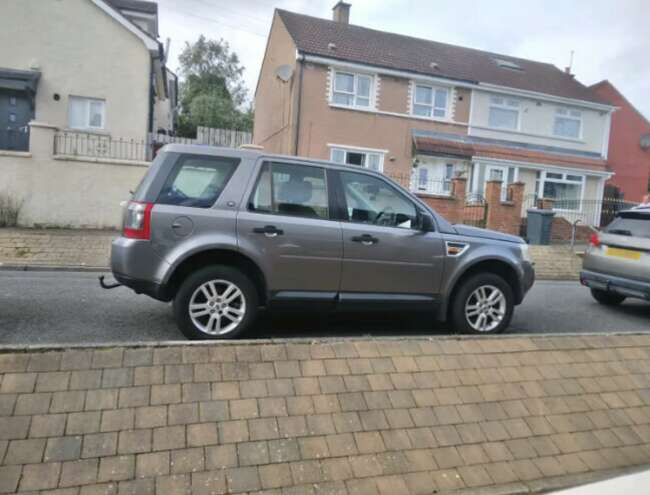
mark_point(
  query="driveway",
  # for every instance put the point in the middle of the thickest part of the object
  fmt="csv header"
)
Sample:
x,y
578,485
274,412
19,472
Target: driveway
x,y
70,307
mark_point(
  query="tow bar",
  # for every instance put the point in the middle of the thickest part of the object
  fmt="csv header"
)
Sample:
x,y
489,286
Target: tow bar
x,y
104,285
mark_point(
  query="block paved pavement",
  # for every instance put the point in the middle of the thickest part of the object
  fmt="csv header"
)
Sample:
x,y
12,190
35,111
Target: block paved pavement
x,y
376,416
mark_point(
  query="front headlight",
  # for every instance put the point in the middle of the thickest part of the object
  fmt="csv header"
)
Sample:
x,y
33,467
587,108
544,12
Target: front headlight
x,y
525,253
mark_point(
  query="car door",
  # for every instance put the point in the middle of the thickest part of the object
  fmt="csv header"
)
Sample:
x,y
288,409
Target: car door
x,y
286,227
386,256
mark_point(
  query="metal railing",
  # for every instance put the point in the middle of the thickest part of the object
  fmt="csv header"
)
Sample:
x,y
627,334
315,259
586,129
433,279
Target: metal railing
x,y
413,183
87,145
587,212
15,139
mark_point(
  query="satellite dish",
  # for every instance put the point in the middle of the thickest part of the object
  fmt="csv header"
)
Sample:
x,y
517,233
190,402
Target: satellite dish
x,y
284,72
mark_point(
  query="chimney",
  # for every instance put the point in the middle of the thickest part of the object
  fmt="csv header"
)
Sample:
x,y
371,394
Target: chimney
x,y
341,12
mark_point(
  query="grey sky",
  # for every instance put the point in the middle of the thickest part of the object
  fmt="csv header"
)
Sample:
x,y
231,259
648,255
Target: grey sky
x,y
611,39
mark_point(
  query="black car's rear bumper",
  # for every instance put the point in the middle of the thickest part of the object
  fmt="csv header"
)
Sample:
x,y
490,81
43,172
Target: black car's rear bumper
x,y
618,285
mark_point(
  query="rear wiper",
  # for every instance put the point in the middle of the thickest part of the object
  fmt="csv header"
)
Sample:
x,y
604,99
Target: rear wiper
x,y
619,232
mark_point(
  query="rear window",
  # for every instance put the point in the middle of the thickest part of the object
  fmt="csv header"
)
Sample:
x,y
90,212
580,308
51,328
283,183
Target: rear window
x,y
197,181
631,224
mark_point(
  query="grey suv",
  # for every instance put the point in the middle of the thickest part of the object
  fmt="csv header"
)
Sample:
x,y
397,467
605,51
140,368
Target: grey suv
x,y
616,264
224,232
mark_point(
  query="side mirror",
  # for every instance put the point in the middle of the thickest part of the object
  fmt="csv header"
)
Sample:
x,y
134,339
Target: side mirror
x,y
426,223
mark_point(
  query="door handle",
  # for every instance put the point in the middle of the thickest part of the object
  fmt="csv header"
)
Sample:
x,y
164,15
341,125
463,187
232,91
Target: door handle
x,y
176,225
365,239
268,231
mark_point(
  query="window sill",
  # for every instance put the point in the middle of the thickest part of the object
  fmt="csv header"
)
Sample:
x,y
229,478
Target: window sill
x,y
97,132
16,154
523,133
397,114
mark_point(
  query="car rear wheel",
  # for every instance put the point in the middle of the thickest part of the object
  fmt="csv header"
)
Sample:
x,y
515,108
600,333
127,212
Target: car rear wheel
x,y
216,302
483,304
607,298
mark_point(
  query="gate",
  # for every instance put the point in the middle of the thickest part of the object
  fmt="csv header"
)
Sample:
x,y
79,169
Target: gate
x,y
475,210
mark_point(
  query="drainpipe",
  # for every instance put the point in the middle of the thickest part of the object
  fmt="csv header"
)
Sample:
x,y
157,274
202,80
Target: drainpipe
x,y
300,59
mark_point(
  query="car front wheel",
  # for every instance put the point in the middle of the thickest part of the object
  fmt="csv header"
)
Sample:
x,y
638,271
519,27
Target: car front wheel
x,y
607,298
483,304
216,302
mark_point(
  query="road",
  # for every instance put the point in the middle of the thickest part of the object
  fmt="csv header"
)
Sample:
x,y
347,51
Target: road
x,y
70,307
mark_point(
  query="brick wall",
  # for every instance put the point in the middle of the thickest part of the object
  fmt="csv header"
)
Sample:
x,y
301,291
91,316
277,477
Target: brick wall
x,y
504,216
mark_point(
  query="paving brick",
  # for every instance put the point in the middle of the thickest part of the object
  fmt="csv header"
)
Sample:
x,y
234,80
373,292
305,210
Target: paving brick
x,y
82,472
252,453
46,361
214,411
117,468
180,373
275,476
12,428
107,358
209,483
221,456
71,401
233,431
202,434
148,375
134,396
209,372
18,383
180,414
152,464
9,477
39,476
118,377
196,392
225,390
168,438
30,404
263,429
165,394
176,484
25,451
84,380
369,442
187,460
150,417
63,449
304,472
284,450
137,487
83,422
97,400
138,357
134,441
99,445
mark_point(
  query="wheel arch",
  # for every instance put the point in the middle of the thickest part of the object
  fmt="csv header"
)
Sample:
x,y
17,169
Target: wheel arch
x,y
497,266
215,256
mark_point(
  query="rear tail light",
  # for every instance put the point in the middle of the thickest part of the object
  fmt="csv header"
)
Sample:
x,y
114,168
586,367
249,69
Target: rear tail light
x,y
595,240
137,220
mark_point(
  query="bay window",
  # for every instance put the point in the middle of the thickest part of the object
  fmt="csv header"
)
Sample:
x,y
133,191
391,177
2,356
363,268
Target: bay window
x,y
429,101
352,90
504,113
568,123
565,189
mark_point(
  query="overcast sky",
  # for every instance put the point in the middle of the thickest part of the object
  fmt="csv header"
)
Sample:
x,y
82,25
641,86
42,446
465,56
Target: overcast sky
x,y
611,39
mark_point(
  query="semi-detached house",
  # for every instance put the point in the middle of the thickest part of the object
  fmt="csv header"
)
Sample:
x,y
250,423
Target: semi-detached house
x,y
426,111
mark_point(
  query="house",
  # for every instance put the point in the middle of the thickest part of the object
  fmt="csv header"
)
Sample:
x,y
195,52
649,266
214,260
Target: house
x,y
423,111
83,66
629,144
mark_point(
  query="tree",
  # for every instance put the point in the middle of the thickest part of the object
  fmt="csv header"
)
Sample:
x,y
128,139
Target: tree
x,y
212,91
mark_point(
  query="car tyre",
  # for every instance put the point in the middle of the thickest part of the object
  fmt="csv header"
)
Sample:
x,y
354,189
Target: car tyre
x,y
607,298
206,291
473,299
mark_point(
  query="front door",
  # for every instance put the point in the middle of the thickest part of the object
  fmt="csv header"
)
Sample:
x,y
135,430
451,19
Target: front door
x,y
385,255
286,227
497,172
15,114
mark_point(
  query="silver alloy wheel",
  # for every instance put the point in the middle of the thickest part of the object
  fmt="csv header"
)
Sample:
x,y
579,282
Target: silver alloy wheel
x,y
217,307
485,308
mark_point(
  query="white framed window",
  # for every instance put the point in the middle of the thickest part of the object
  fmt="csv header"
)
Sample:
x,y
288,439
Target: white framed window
x,y
504,113
433,178
352,90
359,158
430,101
567,123
565,189
86,113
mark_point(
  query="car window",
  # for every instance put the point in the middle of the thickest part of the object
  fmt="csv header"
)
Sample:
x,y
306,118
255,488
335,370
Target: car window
x,y
635,225
197,181
291,189
372,200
